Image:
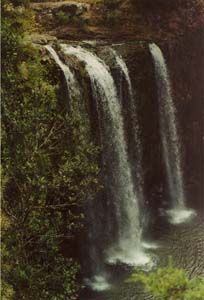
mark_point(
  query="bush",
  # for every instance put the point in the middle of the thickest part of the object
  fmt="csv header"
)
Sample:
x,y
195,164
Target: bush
x,y
62,18
49,169
171,283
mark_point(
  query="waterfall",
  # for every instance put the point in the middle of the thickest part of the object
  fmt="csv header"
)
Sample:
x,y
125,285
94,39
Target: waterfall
x,y
137,148
72,84
170,140
76,105
75,98
124,69
128,243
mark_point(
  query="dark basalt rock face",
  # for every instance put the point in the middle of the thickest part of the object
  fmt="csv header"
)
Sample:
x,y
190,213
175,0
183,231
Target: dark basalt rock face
x,y
186,65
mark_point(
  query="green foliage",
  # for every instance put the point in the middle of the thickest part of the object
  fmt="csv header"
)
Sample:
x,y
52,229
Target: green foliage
x,y
62,18
113,15
49,168
170,283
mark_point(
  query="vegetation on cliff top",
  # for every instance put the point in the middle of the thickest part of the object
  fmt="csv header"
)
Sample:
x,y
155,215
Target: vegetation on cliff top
x,y
132,19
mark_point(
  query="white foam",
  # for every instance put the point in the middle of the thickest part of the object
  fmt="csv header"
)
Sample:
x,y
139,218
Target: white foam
x,y
149,245
90,42
180,215
130,257
98,283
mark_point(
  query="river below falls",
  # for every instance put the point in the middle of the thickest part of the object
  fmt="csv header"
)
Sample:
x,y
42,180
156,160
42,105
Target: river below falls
x,y
184,242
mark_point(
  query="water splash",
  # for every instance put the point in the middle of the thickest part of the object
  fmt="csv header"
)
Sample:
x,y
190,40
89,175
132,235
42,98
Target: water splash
x,y
98,283
178,216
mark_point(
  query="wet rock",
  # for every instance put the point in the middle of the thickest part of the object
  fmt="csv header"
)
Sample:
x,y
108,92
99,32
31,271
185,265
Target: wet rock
x,y
42,39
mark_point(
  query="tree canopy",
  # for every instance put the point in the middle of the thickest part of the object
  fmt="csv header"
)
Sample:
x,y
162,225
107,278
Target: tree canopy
x,y
49,167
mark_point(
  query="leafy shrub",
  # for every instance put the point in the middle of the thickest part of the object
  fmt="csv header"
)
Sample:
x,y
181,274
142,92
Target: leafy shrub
x,y
171,283
49,168
62,18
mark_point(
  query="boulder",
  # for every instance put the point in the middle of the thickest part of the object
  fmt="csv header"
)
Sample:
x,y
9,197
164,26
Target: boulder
x,y
42,39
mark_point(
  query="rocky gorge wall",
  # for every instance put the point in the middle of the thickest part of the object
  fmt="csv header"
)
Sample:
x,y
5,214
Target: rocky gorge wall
x,y
186,63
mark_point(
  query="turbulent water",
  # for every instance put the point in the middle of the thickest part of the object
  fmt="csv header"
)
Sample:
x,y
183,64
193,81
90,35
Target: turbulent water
x,y
127,247
170,140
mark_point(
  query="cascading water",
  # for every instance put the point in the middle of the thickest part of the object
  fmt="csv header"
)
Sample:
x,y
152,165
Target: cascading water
x,y
124,69
170,140
128,244
75,102
75,98
137,148
72,84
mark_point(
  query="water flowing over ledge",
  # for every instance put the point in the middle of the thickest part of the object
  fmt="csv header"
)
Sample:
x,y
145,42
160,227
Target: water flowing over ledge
x,y
124,195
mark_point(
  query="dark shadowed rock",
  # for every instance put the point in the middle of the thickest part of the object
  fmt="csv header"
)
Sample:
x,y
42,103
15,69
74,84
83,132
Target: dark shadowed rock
x,y
71,9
